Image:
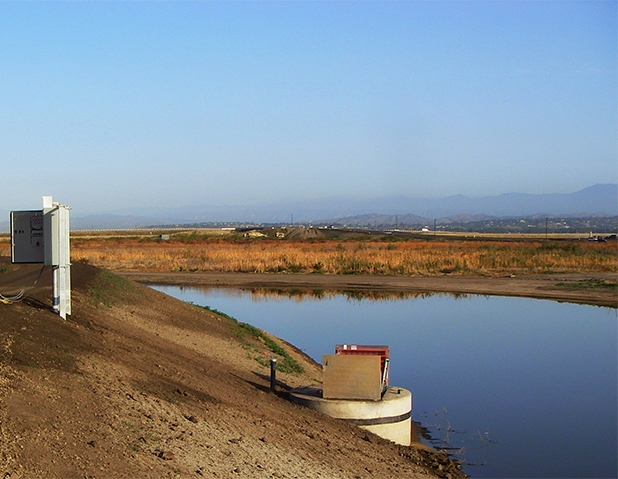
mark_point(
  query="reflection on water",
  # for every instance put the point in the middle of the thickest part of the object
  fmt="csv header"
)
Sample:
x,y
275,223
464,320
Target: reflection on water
x,y
300,295
439,433
526,387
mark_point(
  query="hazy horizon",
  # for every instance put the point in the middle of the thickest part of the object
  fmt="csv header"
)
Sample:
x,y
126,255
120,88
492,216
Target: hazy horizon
x,y
600,200
109,105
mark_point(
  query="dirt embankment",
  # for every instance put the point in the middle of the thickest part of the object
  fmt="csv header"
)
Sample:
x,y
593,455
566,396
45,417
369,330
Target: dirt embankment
x,y
137,384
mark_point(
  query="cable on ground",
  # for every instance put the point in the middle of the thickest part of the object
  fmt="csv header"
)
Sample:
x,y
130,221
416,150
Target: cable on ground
x,y
21,295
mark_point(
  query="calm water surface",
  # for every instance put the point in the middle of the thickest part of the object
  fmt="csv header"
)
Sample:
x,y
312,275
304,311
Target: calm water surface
x,y
516,387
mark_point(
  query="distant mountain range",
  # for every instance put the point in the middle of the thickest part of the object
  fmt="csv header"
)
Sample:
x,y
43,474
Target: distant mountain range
x,y
597,200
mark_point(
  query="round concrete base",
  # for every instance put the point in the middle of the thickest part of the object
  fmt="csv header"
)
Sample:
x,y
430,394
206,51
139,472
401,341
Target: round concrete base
x,y
389,418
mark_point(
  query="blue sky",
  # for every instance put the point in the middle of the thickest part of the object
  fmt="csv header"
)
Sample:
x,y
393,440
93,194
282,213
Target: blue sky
x,y
106,105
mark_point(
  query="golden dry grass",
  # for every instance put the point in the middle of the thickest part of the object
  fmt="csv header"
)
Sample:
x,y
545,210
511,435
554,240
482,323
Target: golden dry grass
x,y
417,257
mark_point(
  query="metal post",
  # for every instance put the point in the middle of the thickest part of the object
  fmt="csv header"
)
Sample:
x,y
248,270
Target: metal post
x,y
56,289
273,374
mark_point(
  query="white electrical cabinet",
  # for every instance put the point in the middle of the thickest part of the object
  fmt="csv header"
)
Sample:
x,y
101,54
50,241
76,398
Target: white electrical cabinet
x,y
43,237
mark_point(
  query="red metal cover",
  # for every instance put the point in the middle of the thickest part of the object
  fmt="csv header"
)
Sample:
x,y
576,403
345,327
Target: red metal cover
x,y
379,350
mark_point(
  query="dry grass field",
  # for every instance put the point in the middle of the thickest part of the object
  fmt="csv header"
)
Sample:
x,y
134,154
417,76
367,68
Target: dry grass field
x,y
411,257
210,252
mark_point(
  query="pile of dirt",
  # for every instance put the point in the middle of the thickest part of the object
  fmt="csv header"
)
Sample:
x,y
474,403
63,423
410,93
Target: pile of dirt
x,y
137,384
304,234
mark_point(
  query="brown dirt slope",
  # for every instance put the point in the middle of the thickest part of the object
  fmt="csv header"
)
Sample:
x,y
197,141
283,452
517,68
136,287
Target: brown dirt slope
x,y
137,384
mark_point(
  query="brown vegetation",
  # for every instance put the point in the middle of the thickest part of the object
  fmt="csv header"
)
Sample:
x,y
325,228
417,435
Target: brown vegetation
x,y
408,258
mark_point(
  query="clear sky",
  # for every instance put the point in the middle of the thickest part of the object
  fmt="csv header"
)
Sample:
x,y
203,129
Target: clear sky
x,y
107,105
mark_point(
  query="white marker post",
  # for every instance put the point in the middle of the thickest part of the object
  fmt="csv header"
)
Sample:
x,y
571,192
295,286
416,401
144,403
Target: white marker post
x,y
57,253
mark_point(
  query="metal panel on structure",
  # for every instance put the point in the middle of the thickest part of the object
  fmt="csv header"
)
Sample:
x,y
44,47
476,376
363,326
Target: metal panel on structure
x,y
58,255
367,350
351,377
27,242
52,250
